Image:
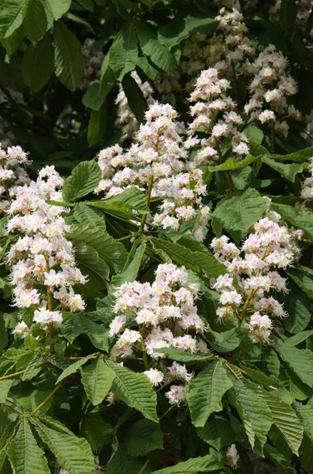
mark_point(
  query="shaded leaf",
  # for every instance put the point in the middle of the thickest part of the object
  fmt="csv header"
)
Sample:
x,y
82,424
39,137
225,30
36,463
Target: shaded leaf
x,y
68,59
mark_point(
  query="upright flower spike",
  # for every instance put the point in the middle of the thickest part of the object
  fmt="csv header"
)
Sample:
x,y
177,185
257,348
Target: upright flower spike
x,y
163,314
158,163
245,290
214,116
269,89
42,261
12,174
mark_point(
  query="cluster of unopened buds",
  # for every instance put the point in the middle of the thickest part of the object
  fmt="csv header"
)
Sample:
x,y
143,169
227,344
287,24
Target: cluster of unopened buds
x,y
12,174
157,163
245,290
43,270
162,314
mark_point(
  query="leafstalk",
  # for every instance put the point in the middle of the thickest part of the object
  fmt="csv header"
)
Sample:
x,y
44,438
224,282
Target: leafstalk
x,y
12,375
145,465
48,398
167,411
143,220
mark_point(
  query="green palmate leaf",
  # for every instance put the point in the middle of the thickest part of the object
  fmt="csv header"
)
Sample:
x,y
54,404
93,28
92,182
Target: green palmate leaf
x,y
93,98
25,455
96,431
35,21
73,453
298,157
254,133
71,369
240,212
157,52
68,60
182,356
289,171
112,252
306,454
5,386
195,260
88,4
298,307
305,413
124,52
206,463
85,214
217,432
27,315
10,74
131,272
302,280
34,367
199,22
135,390
83,180
56,8
142,437
285,419
147,67
97,124
78,324
205,392
13,42
3,334
254,413
296,216
274,455
81,21
227,340
300,361
174,32
11,17
91,265
298,338
97,379
136,199
287,14
135,98
259,376
121,462
232,164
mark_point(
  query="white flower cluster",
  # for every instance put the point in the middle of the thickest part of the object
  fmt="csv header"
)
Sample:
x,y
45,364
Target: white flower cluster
x,y
229,48
232,456
211,100
93,62
307,186
157,162
269,89
244,288
125,116
42,262
12,174
164,312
